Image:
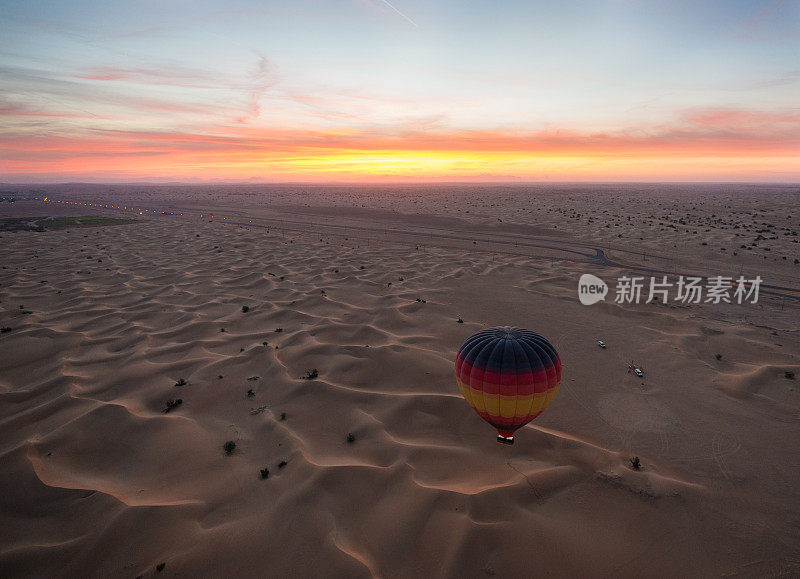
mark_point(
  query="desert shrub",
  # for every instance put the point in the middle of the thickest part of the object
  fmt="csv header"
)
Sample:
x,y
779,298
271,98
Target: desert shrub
x,y
172,405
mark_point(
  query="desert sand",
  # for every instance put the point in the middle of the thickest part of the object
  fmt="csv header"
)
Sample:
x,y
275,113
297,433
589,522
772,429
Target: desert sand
x,y
242,291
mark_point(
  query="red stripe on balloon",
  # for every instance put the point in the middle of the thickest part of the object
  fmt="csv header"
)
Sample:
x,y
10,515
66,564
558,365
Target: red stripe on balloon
x,y
508,384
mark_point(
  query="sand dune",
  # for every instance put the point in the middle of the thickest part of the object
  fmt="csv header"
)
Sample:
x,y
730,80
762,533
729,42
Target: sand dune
x,y
99,481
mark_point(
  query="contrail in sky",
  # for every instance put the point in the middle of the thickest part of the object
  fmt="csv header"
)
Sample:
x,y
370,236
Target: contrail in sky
x,y
389,4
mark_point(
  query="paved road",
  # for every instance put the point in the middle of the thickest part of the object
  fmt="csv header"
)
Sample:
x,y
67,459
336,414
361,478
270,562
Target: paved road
x,y
489,240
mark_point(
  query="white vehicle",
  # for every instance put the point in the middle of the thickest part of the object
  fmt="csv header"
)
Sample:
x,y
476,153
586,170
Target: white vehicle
x,y
601,343
632,367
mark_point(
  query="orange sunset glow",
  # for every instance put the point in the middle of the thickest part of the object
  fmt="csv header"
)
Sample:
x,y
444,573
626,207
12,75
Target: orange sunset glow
x,y
474,156
375,94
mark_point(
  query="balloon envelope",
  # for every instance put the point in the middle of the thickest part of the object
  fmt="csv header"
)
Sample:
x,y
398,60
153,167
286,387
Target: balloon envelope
x,y
508,375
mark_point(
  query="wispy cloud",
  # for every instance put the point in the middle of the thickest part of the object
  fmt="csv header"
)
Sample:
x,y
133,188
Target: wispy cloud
x,y
758,20
778,125
169,75
263,77
106,93
278,149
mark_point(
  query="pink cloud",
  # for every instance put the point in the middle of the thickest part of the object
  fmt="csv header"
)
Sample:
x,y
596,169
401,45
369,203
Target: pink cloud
x,y
168,75
232,139
739,120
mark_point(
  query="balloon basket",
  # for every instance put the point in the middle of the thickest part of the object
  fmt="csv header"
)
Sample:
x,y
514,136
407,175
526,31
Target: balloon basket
x,y
505,439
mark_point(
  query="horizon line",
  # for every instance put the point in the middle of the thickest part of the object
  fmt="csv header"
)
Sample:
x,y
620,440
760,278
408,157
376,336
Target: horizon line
x,y
399,183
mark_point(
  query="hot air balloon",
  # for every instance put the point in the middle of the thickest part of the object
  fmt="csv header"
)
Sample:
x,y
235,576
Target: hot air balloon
x,y
508,375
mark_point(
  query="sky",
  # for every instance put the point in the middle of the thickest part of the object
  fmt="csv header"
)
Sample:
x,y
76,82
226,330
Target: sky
x,y
400,91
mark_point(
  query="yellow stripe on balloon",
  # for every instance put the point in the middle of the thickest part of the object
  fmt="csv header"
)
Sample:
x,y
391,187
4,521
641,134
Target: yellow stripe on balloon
x,y
518,407
466,392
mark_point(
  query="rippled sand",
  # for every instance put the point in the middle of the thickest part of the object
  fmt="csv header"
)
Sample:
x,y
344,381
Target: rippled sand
x,y
97,480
